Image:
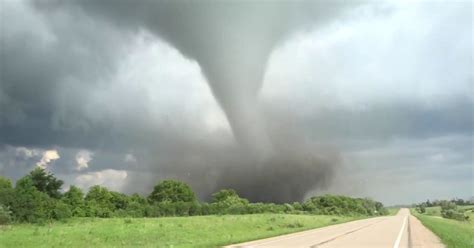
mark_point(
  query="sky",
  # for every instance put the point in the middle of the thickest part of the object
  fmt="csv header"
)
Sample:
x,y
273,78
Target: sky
x,y
280,101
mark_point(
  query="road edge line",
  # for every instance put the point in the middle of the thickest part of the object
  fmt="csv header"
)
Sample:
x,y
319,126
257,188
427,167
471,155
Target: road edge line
x,y
400,234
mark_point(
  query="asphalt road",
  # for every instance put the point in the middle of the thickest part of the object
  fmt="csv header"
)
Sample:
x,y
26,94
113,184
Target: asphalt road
x,y
399,231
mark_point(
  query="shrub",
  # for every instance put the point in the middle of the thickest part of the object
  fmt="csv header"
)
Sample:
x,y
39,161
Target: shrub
x,y
79,211
46,182
135,209
75,199
297,206
343,205
37,198
61,211
31,205
172,191
99,202
421,208
446,205
288,208
5,215
454,214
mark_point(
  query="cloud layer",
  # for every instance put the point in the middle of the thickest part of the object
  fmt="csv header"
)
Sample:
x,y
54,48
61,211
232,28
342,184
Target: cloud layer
x,y
373,89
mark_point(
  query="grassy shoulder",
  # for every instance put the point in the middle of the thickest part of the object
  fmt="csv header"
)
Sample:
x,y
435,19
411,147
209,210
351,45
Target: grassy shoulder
x,y
196,231
453,233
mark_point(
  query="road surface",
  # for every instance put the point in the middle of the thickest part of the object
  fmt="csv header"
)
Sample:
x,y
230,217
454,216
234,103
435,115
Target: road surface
x,y
400,231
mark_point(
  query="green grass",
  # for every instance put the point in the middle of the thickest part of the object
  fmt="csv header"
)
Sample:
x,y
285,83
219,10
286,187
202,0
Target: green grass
x,y
433,211
197,231
436,211
453,233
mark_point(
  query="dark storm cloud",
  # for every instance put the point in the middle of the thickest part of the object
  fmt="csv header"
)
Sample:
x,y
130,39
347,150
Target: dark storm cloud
x,y
231,41
439,167
40,55
38,72
383,121
55,55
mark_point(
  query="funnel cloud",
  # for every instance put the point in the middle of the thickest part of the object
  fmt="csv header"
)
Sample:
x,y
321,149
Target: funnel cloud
x,y
231,42
279,100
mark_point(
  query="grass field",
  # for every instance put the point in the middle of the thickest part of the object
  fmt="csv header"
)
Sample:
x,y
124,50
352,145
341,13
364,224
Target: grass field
x,y
436,211
453,233
197,231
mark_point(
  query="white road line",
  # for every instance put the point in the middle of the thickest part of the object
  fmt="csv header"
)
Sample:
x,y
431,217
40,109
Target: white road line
x,y
400,234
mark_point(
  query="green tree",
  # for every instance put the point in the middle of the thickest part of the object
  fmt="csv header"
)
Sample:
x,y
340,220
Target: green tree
x,y
5,183
119,200
297,206
74,197
99,202
172,191
46,182
5,215
99,194
61,210
227,201
223,194
421,208
31,205
6,192
138,199
343,205
447,205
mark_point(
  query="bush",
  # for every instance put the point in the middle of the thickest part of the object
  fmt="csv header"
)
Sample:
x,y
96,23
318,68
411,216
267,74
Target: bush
x,y
79,212
449,210
99,202
421,208
31,205
297,206
46,182
135,209
6,192
5,215
75,199
343,205
95,209
172,191
454,214
37,198
61,211
445,205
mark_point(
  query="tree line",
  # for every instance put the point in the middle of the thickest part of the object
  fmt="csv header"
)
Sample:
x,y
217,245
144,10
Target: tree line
x,y
457,201
448,209
37,197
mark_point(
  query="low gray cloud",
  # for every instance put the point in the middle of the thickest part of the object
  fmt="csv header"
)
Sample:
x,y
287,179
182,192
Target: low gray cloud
x,y
96,77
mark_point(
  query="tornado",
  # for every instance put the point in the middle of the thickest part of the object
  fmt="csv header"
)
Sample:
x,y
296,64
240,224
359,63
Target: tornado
x,y
232,41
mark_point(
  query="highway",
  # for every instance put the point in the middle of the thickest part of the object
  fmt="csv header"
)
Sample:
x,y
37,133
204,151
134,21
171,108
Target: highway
x,y
400,231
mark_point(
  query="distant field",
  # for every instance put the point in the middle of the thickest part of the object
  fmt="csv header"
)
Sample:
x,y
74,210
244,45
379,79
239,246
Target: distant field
x,y
393,211
196,231
453,233
436,211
